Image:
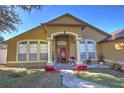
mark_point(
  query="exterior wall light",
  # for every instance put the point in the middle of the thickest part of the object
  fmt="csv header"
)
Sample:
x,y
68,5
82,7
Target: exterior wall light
x,y
119,46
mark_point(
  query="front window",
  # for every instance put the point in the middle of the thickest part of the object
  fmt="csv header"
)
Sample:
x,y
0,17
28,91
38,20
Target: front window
x,y
43,51
91,50
82,50
87,50
33,50
22,53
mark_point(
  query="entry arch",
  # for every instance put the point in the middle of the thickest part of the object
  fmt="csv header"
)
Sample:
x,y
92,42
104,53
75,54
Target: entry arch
x,y
63,33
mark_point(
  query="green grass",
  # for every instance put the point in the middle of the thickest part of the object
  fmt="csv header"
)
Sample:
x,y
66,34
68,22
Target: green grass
x,y
30,78
106,77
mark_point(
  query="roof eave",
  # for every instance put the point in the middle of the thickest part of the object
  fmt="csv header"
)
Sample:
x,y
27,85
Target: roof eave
x,y
85,23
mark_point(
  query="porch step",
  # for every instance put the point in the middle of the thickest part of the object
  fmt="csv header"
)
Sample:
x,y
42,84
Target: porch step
x,y
2,66
65,66
62,66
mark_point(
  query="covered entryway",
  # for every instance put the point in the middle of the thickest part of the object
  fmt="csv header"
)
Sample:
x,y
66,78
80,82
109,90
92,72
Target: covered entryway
x,y
3,54
60,48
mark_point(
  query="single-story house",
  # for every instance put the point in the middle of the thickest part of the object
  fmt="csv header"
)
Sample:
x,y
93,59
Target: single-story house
x,y
60,38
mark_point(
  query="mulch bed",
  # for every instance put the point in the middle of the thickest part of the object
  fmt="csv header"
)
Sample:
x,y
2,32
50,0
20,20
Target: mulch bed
x,y
51,72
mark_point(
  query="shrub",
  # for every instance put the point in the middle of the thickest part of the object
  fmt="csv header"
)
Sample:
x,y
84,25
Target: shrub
x,y
116,66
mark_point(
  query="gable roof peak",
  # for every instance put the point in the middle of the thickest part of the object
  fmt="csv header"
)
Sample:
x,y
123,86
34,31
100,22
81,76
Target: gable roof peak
x,y
81,21
66,14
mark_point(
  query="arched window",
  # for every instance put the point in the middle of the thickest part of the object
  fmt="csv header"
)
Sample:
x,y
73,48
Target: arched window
x,y
87,49
32,50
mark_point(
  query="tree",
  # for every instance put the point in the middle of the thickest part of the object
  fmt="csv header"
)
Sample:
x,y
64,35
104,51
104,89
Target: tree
x,y
1,39
9,18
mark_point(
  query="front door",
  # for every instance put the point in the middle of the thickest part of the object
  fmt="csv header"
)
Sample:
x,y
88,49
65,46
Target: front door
x,y
62,54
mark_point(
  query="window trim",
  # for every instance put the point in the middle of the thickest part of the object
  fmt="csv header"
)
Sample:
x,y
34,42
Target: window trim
x,y
86,48
83,41
28,58
17,51
28,50
40,50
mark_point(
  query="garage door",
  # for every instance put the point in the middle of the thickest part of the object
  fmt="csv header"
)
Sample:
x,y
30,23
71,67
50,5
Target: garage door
x,y
3,54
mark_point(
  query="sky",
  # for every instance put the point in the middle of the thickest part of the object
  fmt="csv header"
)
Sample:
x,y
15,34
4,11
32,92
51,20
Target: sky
x,y
106,18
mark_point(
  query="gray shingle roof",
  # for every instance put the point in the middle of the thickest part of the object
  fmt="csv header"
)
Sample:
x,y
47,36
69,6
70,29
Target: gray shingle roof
x,y
119,34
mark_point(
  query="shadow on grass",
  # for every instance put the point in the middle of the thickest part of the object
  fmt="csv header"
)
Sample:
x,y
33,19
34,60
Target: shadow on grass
x,y
28,78
106,77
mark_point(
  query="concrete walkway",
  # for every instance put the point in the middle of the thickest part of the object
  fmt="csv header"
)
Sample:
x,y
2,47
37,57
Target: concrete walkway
x,y
63,66
66,66
97,66
71,80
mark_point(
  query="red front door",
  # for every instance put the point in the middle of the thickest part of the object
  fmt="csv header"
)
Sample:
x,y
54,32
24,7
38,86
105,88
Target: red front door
x,y
62,54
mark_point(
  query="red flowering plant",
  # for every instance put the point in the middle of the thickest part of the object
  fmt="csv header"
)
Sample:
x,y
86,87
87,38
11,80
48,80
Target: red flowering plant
x,y
49,68
80,67
72,58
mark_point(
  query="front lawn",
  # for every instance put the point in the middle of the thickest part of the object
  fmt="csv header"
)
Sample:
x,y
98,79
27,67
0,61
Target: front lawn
x,y
106,77
29,78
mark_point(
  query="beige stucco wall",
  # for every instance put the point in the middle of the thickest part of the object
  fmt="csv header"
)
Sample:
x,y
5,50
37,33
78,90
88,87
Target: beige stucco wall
x,y
93,34
35,34
55,29
108,50
66,20
72,44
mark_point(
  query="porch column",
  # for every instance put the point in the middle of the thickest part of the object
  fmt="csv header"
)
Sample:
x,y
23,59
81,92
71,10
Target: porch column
x,y
78,51
50,52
